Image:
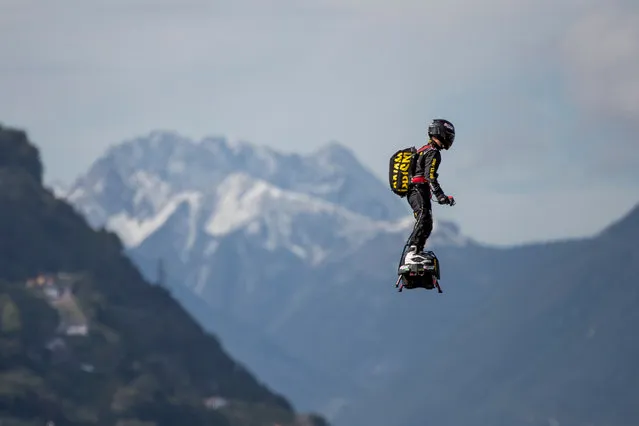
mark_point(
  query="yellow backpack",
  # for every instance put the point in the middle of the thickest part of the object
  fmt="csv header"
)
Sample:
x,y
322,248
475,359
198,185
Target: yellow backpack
x,y
400,170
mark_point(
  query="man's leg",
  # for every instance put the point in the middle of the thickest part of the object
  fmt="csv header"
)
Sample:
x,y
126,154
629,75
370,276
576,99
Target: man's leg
x,y
427,225
424,221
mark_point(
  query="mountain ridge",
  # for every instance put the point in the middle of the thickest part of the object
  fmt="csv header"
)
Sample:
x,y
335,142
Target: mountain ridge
x,y
141,359
134,199
331,172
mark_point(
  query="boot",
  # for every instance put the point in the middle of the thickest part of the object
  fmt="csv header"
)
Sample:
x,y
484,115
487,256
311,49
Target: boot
x,y
413,257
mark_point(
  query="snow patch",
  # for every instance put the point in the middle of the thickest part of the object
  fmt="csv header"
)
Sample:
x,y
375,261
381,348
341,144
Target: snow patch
x,y
202,279
176,167
242,199
76,194
194,213
98,187
134,231
298,251
289,219
211,248
236,205
149,187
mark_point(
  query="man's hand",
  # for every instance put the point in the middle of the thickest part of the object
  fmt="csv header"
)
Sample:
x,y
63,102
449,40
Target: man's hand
x,y
446,200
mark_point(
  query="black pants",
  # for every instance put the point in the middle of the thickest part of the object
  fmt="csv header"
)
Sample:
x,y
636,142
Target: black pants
x,y
419,200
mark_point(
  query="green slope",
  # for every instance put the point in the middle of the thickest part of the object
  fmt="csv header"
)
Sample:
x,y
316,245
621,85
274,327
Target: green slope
x,y
144,360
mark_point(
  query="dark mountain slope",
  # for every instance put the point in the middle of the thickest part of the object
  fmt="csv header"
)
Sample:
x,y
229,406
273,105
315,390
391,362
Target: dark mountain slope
x,y
143,358
550,339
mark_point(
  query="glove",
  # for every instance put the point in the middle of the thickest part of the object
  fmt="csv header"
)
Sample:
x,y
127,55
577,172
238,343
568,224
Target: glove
x,y
446,200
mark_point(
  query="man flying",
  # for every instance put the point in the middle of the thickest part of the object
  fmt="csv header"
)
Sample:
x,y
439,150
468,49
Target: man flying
x,y
441,134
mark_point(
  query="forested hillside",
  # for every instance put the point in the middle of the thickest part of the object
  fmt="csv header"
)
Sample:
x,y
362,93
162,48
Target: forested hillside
x,y
84,339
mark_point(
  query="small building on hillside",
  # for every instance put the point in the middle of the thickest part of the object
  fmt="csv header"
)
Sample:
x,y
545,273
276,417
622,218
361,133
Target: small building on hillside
x,y
77,330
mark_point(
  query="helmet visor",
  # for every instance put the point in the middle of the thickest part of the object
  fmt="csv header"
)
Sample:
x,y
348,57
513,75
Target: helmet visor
x,y
444,131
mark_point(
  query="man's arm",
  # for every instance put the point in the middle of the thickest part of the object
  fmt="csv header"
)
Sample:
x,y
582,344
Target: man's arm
x,y
433,166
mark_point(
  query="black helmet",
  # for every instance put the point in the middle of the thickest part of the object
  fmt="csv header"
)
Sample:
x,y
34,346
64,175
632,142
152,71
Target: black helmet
x,y
444,130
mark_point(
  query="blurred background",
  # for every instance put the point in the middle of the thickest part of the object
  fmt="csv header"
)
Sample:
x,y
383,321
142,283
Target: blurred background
x,y
239,152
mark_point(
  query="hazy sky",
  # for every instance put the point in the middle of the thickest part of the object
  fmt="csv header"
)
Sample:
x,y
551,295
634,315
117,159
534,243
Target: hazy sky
x,y
544,93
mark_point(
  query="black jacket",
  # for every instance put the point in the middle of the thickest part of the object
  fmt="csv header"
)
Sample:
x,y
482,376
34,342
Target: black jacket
x,y
425,171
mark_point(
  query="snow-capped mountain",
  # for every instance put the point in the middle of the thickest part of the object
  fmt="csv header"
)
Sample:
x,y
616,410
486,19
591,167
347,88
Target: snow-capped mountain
x,y
139,175
303,202
261,247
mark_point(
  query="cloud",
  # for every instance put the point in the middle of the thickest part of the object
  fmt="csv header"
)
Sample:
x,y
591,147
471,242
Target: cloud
x,y
601,57
600,60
